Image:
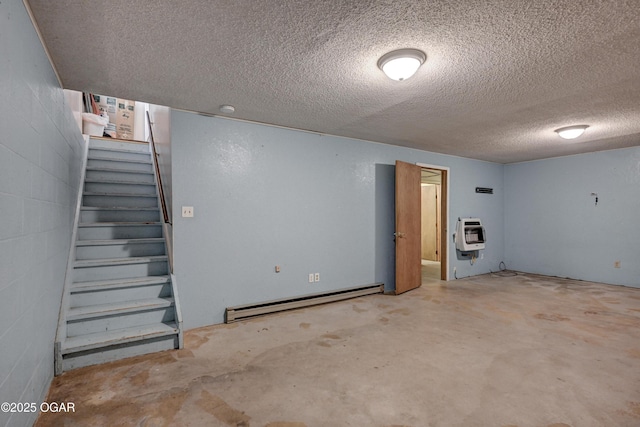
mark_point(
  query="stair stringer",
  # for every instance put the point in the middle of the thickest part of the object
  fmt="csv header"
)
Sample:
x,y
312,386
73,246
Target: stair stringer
x,y
61,330
168,241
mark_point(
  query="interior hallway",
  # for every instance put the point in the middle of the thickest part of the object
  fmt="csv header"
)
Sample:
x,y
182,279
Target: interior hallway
x,y
430,270
521,351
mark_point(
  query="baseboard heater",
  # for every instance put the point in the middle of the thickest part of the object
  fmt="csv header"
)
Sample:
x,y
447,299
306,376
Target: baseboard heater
x,y
241,312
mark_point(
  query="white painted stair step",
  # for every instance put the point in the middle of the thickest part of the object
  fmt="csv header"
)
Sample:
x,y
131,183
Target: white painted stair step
x,y
100,285
118,149
115,169
109,145
118,174
90,193
119,241
118,154
119,248
87,263
118,336
118,159
117,308
90,214
116,181
118,224
120,164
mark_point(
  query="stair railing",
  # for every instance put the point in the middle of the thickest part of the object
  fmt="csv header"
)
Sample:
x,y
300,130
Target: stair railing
x,y
154,153
167,232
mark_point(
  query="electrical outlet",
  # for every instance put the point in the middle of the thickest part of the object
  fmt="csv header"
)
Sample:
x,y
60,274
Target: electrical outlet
x,y
277,269
311,277
616,264
317,277
187,211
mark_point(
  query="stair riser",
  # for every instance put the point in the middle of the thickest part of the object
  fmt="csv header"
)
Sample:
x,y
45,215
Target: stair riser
x,y
119,216
141,167
119,201
160,290
118,155
120,251
143,178
119,232
110,323
108,187
119,271
109,354
106,144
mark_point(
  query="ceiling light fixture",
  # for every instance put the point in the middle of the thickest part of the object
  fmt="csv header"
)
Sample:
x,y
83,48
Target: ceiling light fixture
x,y
227,109
401,64
571,132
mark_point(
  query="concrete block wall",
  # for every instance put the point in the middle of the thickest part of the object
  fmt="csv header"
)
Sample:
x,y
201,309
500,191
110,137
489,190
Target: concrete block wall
x,y
40,148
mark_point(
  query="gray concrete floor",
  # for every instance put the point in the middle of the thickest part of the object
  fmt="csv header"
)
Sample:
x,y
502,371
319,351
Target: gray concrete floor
x,y
521,351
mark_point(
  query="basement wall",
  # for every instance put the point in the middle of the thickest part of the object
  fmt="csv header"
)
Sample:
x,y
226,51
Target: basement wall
x,y
40,148
553,226
266,196
161,118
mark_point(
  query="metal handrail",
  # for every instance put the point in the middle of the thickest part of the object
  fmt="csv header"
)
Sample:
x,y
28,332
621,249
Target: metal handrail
x,y
154,153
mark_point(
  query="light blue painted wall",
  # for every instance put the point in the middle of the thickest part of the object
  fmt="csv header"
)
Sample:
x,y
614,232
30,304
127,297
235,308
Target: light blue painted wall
x,y
40,146
553,227
266,196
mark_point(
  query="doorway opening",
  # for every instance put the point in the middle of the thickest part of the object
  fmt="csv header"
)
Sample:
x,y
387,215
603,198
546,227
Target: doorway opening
x,y
408,233
433,223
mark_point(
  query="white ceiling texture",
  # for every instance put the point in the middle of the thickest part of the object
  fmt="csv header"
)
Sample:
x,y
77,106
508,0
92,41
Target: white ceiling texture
x,y
500,75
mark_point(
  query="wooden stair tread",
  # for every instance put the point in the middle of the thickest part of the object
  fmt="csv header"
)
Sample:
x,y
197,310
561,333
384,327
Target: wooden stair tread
x,y
93,193
118,283
120,150
118,224
108,242
116,181
105,169
123,208
118,336
87,263
117,308
115,159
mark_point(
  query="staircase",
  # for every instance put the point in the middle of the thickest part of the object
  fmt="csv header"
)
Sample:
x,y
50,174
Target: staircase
x,y
119,298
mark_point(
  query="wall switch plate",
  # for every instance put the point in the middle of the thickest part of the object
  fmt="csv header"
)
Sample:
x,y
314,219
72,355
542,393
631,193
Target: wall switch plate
x,y
317,277
277,269
310,277
616,264
187,212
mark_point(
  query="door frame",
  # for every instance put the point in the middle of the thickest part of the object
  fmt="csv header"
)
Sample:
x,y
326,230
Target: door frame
x,y
408,226
444,205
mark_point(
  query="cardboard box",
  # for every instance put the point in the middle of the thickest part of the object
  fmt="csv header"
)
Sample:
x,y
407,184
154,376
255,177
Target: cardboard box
x,y
125,119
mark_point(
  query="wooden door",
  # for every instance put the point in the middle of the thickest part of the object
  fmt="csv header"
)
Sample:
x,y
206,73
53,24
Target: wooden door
x,y
443,224
408,236
438,221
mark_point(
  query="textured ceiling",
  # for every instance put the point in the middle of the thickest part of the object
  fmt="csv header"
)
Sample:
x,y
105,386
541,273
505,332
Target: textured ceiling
x,y
500,75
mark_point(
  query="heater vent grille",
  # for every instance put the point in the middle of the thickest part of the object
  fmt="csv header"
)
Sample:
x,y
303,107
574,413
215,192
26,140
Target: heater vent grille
x,y
484,190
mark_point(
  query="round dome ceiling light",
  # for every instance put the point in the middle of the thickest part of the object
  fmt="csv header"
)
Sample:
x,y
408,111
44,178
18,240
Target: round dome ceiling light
x,y
401,64
571,132
227,109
